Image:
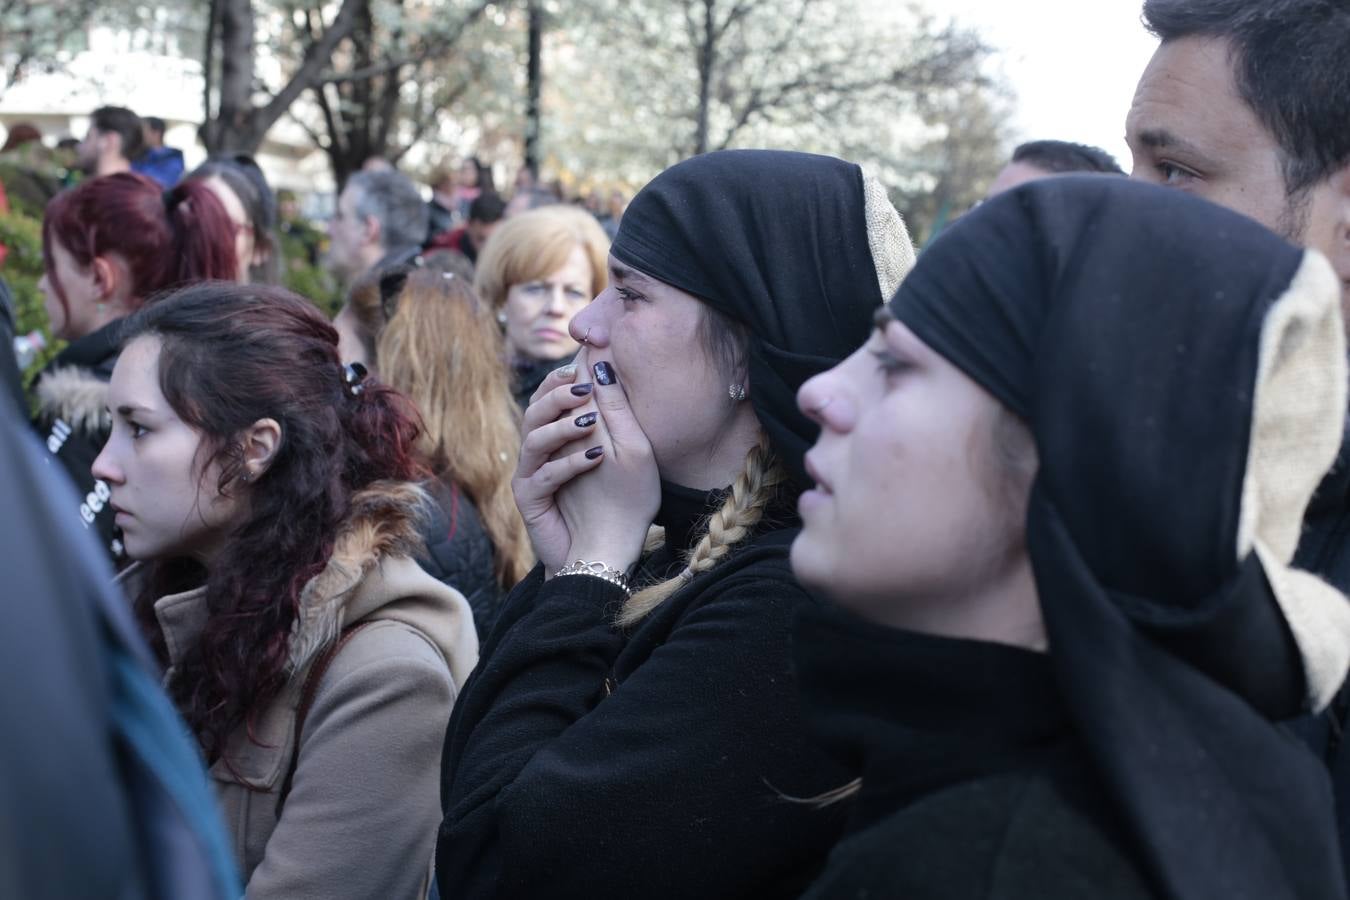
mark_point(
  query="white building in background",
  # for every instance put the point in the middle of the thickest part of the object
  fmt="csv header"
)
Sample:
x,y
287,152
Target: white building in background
x,y
142,71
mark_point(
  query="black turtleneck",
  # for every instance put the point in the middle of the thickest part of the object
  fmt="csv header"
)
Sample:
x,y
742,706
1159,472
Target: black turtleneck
x,y
1324,549
973,785
586,761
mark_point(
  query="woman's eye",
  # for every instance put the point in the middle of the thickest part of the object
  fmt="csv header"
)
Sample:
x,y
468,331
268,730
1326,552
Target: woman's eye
x,y
534,287
889,364
577,294
137,430
627,295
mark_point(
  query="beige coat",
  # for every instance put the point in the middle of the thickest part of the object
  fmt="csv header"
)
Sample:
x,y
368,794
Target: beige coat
x,y
361,818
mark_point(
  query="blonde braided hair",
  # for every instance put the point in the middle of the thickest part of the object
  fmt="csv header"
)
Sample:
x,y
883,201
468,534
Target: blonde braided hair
x,y
730,524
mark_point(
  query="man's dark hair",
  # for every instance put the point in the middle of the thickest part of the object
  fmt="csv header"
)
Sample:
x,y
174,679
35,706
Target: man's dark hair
x,y
487,208
1289,65
124,123
155,124
1063,156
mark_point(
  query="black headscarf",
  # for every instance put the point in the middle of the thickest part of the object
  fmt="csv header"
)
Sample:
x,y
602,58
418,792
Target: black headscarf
x,y
778,242
1122,322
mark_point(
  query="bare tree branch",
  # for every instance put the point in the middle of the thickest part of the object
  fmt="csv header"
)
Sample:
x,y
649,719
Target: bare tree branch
x,y
435,47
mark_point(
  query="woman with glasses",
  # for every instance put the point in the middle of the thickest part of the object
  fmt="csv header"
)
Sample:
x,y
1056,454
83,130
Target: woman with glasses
x,y
243,190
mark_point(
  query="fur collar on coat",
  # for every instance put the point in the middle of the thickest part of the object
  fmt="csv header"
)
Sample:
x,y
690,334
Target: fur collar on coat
x,y
371,575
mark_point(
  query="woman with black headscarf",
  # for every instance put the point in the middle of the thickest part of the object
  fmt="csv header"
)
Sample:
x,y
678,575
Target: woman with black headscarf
x,y
1058,491
633,729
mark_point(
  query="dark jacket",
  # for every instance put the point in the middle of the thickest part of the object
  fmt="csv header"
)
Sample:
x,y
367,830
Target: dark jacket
x,y
105,793
73,421
1325,550
582,761
526,377
973,784
460,553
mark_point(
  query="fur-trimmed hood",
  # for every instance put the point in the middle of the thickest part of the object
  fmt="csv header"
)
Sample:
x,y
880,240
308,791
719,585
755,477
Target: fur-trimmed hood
x,y
77,395
371,575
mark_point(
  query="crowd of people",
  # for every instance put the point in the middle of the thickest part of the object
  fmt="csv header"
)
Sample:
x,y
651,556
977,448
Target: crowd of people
x,y
720,545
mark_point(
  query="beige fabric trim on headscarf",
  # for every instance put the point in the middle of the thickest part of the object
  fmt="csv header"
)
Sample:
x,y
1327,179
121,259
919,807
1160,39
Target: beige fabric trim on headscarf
x,y
887,238
1298,413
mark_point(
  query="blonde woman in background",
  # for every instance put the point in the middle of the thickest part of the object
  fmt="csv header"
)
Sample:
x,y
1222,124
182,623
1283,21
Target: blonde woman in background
x,y
425,332
537,271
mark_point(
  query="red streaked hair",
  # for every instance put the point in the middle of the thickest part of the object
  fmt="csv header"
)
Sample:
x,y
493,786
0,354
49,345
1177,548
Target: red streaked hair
x,y
232,354
164,238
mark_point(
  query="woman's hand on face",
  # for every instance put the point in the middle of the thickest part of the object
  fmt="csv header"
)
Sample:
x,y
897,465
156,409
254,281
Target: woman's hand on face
x,y
550,457
607,512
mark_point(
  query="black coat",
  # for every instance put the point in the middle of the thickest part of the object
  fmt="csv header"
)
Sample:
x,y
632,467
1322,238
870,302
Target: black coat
x,y
1325,550
73,422
460,553
974,786
585,762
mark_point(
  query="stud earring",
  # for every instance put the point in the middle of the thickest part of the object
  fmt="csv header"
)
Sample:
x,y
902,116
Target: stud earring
x,y
736,392
501,318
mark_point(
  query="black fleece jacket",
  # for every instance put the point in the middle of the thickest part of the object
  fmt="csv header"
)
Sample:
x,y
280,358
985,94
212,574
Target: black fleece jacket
x,y
974,786
583,761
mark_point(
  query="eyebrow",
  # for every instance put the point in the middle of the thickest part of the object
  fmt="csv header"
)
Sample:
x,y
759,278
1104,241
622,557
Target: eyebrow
x,y
127,410
623,273
1162,139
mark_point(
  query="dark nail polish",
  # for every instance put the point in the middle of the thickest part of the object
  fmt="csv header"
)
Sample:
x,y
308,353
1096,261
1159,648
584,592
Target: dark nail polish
x,y
604,373
594,452
585,421
581,390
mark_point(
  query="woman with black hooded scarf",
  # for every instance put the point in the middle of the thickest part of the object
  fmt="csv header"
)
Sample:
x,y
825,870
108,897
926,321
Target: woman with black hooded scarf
x,y
1059,681
633,728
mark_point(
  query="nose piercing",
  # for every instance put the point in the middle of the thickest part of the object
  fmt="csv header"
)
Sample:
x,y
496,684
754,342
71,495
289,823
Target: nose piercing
x,y
817,410
586,338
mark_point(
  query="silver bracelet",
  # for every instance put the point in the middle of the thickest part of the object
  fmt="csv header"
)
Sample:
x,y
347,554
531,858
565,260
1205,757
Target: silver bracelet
x,y
603,571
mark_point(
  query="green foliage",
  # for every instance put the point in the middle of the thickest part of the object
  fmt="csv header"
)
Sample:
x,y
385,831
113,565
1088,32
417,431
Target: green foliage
x,y
302,267
22,235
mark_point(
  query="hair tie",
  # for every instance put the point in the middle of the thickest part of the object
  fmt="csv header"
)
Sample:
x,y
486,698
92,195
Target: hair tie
x,y
354,374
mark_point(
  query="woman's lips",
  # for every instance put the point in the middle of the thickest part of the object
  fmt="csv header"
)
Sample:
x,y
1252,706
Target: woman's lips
x,y
822,485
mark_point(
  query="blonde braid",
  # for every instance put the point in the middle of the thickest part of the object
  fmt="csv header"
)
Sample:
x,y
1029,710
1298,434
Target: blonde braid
x,y
728,526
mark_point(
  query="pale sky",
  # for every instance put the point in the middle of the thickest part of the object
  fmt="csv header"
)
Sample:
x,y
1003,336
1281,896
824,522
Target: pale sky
x,y
1072,64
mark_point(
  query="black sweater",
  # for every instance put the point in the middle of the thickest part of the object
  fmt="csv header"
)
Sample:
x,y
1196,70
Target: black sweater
x,y
585,762
1324,549
973,784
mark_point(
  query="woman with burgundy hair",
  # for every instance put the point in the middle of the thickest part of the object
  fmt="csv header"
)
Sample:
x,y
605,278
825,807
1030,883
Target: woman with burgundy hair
x,y
270,492
108,245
